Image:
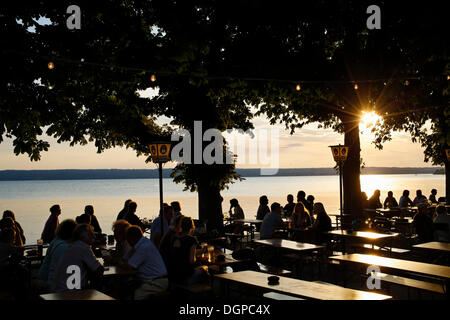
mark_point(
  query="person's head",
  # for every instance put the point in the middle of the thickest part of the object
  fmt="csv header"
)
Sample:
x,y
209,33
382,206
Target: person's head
x,y
127,202
132,206
310,198
83,218
263,200
275,207
376,193
6,223
434,192
176,206
9,213
441,210
290,198
84,232
133,234
319,209
187,225
65,229
119,228
363,195
390,194
405,193
7,235
234,203
89,209
419,193
55,209
301,195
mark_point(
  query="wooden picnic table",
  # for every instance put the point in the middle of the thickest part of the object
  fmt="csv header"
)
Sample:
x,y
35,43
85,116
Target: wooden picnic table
x,y
362,236
290,245
298,288
88,294
420,268
434,245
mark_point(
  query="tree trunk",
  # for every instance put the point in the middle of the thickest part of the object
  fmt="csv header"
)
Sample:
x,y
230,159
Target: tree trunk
x,y
351,171
210,205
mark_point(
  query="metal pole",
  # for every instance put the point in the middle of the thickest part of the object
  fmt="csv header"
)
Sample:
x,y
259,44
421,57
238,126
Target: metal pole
x,y
340,193
161,217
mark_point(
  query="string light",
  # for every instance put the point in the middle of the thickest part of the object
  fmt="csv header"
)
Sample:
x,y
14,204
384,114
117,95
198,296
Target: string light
x,y
51,65
355,86
448,77
298,87
153,78
406,83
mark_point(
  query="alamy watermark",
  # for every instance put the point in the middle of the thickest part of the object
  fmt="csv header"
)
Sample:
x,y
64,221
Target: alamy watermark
x,y
373,281
74,280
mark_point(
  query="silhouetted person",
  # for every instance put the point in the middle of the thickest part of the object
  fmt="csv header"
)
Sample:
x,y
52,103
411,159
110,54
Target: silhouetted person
x,y
390,201
9,223
432,197
301,197
423,225
9,213
310,200
176,206
263,208
322,223
289,207
94,222
271,221
405,201
48,234
124,211
420,199
155,231
131,216
374,201
83,218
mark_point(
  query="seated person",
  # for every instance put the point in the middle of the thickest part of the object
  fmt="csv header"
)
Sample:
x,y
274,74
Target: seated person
x,y
18,227
442,217
155,231
79,254
147,260
164,245
89,209
121,215
289,207
55,251
123,248
322,223
423,225
374,201
131,216
420,199
182,259
271,221
405,201
263,208
9,223
236,213
390,201
301,218
176,211
83,218
432,197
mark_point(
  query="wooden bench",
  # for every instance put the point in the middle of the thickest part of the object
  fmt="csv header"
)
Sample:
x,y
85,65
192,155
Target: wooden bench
x,y
412,283
279,296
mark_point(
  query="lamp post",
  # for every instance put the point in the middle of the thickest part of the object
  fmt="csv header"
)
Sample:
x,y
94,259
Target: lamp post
x,y
340,153
160,152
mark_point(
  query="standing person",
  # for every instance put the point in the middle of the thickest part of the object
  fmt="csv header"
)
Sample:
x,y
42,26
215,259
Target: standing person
x,y
289,207
79,254
155,231
405,201
89,209
124,211
271,221
432,197
263,208
374,201
55,251
147,260
131,216
48,234
390,201
420,199
182,256
9,213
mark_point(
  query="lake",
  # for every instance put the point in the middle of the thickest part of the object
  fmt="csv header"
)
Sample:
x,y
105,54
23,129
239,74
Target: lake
x,y
31,200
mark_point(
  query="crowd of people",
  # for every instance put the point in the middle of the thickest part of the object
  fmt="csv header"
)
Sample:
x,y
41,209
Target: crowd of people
x,y
169,255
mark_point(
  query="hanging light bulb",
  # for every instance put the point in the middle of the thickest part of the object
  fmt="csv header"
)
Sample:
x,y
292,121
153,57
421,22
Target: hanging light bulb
x,y
406,83
51,65
448,77
355,86
298,87
153,78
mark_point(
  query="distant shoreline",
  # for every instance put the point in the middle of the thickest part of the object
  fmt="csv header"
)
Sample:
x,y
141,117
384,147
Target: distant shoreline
x,y
95,174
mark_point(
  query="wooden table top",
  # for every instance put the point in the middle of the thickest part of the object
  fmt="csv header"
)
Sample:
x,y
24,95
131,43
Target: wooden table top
x,y
289,244
89,294
434,245
251,221
362,234
427,269
115,271
300,288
